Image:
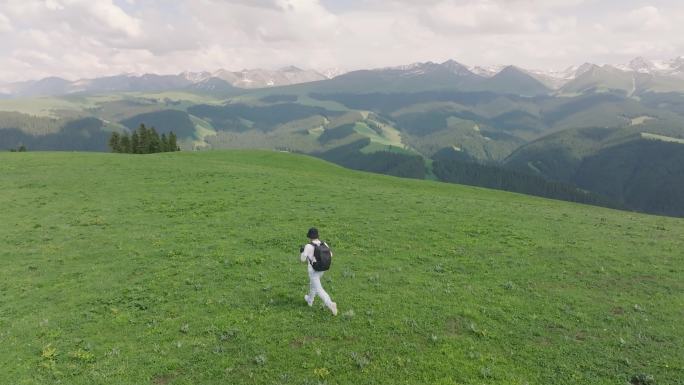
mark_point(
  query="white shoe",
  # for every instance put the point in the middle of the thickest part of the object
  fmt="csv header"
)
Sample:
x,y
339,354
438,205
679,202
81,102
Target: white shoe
x,y
306,298
333,308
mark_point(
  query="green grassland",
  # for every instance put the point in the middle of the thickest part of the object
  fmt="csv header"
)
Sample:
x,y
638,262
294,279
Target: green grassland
x,y
108,106
43,106
182,268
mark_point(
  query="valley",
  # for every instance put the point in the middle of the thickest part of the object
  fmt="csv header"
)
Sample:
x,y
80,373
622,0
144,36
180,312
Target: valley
x,y
391,120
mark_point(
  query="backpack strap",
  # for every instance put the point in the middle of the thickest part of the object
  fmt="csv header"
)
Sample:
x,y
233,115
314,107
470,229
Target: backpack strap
x,y
314,253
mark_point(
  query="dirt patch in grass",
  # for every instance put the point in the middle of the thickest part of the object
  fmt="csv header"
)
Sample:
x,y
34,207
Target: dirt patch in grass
x,y
163,379
456,325
301,341
581,335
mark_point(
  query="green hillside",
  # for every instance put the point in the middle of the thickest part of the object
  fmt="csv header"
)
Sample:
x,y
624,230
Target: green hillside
x,y
639,165
610,79
178,122
49,134
512,80
644,173
602,79
372,126
182,269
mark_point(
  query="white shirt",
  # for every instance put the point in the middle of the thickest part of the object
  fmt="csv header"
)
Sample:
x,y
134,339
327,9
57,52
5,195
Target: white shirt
x,y
308,253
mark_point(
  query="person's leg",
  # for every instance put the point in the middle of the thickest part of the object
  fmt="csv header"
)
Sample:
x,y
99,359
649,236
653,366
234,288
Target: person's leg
x,y
322,293
314,282
316,285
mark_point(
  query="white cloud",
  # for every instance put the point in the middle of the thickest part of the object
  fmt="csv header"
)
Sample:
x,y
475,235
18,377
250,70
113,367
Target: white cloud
x,y
543,4
562,25
98,17
105,13
480,18
5,24
647,18
86,38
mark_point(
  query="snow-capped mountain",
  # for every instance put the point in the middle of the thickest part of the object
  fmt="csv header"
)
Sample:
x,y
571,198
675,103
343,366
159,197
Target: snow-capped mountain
x,y
553,79
248,78
677,65
654,67
196,77
456,68
486,71
455,74
333,72
429,76
417,69
260,78
556,79
640,65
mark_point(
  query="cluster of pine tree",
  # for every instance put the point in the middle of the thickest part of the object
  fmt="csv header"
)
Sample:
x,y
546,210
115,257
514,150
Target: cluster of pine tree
x,y
382,162
463,172
21,148
143,141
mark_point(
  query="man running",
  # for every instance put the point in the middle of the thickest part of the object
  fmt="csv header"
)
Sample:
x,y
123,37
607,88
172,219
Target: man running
x,y
317,256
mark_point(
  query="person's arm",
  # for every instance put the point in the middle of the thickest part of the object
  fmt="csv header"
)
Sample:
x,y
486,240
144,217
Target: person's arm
x,y
307,254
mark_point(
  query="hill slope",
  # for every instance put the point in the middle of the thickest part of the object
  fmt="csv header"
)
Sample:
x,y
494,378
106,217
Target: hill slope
x,y
639,165
182,269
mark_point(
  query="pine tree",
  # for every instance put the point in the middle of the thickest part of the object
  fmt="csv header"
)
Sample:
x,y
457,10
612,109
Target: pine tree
x,y
115,142
164,143
143,140
125,143
135,143
173,145
155,141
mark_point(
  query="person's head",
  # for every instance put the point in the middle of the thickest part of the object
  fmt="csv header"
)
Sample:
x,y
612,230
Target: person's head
x,y
312,233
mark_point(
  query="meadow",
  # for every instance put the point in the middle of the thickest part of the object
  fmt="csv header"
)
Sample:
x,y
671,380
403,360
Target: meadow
x,y
182,268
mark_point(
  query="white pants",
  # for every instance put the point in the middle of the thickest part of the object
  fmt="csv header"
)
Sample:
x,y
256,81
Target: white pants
x,y
315,287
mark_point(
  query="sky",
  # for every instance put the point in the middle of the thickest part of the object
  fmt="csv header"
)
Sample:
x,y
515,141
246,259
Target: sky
x,y
78,39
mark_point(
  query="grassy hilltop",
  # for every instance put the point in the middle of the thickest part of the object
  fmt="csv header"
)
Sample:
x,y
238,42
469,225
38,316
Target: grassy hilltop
x,y
182,269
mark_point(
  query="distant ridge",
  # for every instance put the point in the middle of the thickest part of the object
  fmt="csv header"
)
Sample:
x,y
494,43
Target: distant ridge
x,y
638,76
245,79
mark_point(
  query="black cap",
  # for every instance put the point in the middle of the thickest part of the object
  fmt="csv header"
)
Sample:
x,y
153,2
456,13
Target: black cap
x,y
312,233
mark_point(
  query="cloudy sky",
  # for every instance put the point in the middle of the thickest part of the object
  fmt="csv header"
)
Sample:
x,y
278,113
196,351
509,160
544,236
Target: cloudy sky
x,y
86,38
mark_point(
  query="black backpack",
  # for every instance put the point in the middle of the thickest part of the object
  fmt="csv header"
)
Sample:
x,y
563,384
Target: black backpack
x,y
323,257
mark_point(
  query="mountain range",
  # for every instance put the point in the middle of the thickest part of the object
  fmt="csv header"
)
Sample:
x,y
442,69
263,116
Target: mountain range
x,y
224,79
609,135
638,75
